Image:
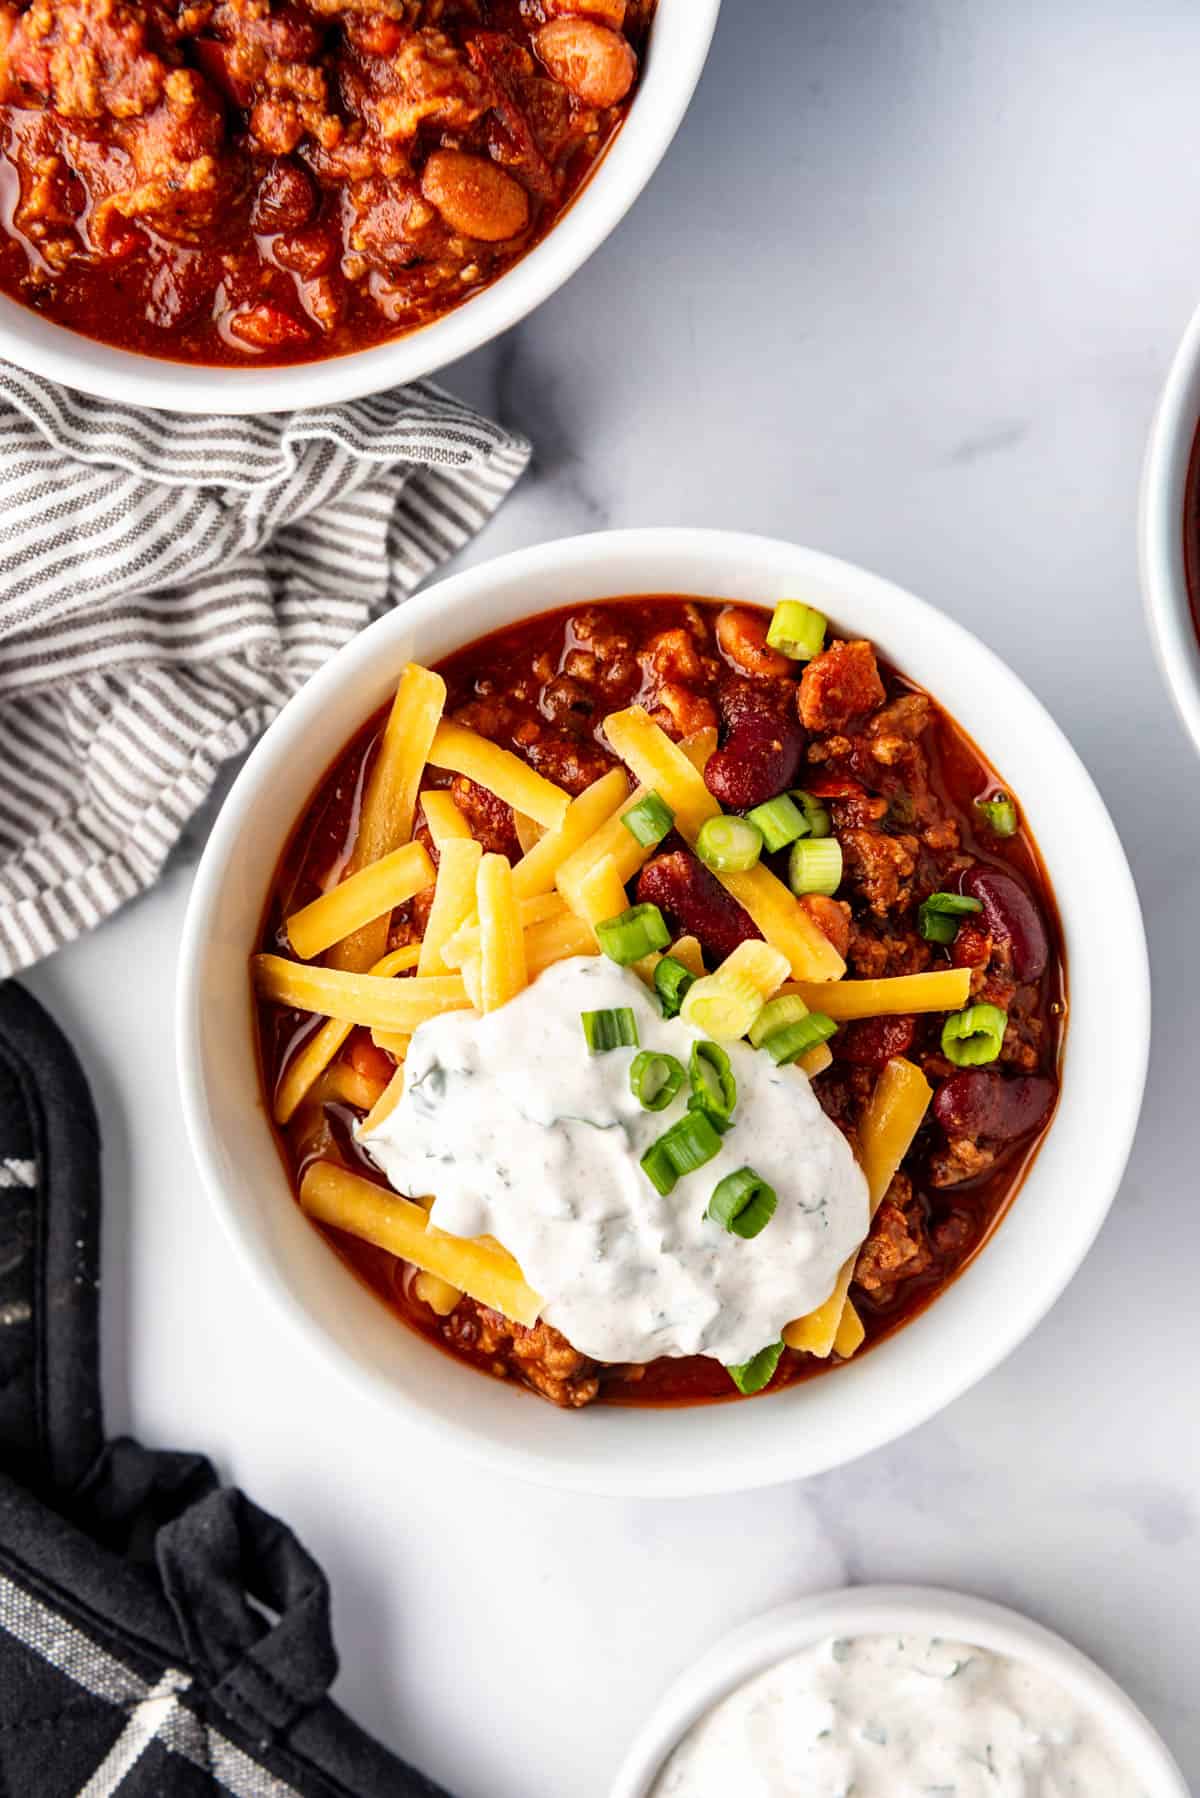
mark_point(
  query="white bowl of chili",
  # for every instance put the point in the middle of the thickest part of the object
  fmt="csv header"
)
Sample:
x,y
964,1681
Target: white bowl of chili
x,y
1169,530
989,1308
674,58
1017,1678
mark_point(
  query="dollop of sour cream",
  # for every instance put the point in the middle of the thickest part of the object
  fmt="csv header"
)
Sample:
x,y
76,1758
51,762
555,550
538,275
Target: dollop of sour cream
x,y
898,1717
519,1133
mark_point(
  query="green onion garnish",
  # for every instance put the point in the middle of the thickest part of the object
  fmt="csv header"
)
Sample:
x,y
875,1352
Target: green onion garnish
x,y
816,815
649,820
730,845
686,1146
815,865
633,933
974,1036
937,916
606,1030
780,821
751,1376
654,1079
796,1039
671,982
776,1014
999,813
797,630
743,1203
714,1084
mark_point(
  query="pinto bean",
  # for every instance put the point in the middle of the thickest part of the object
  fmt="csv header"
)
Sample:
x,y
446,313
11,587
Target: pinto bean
x,y
696,902
983,1103
595,64
266,327
870,1042
742,635
760,758
475,196
610,12
832,917
1012,917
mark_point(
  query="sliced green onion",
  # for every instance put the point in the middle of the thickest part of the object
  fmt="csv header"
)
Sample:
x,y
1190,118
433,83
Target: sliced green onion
x,y
654,1079
606,1030
999,813
797,1039
714,1084
633,933
724,1004
937,916
815,865
780,822
751,1376
730,845
649,820
974,1036
686,1146
671,982
777,1014
743,1203
816,814
797,630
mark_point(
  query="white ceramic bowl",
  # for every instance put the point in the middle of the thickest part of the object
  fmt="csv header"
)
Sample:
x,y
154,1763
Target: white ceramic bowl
x,y
895,1610
1164,494
675,57
686,1449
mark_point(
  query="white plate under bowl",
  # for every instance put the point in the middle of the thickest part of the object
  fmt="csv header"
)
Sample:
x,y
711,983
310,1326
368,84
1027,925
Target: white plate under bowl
x,y
674,61
886,1611
678,1450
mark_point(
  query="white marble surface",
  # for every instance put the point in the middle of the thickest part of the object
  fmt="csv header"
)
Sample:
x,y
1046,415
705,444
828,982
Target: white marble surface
x,y
905,289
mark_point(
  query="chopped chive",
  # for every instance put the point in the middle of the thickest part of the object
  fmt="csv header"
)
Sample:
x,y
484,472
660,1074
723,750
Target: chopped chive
x,y
751,1376
780,821
714,1084
816,814
655,1079
815,865
743,1203
776,1014
649,821
797,630
796,1039
686,1146
975,1036
671,982
604,1030
729,844
632,934
999,813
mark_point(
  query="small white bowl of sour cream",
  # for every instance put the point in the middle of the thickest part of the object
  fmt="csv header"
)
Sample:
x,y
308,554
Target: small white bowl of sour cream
x,y
873,1684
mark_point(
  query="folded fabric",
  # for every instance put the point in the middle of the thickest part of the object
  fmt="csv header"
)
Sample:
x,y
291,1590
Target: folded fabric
x,y
166,583
158,1634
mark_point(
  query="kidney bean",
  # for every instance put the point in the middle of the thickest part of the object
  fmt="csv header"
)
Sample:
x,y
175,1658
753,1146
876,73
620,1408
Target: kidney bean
x,y
759,760
596,65
696,902
870,1042
983,1103
475,196
1012,917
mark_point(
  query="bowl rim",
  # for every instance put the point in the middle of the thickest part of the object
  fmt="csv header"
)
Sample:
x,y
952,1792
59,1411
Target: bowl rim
x,y
1161,513
41,347
884,1610
778,1454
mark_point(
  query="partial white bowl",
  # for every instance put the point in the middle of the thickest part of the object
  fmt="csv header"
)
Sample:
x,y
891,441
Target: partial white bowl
x,y
894,1610
1161,530
674,62
688,1449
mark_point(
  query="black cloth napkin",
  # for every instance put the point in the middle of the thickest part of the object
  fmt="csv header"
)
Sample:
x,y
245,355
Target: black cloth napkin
x,y
160,1636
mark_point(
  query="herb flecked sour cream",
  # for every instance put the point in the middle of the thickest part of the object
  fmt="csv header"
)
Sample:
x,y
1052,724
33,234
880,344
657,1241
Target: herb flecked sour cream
x,y
898,1717
520,1133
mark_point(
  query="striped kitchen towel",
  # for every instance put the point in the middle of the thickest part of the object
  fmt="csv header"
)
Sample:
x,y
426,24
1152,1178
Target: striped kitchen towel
x,y
166,583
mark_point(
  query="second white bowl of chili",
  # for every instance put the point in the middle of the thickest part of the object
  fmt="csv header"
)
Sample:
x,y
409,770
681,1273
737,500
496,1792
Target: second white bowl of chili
x,y
892,830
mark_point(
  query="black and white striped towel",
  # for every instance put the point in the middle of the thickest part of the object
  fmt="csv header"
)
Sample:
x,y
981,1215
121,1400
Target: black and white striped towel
x,y
166,583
